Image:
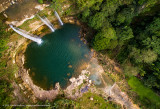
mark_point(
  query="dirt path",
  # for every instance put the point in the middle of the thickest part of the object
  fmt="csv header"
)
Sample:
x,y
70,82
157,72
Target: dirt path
x,y
122,98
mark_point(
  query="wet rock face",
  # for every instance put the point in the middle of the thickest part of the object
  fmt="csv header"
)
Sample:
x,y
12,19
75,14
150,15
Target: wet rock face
x,y
5,4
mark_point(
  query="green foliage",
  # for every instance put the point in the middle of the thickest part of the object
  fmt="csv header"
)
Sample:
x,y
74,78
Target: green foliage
x,y
146,56
5,86
85,14
97,21
65,104
83,102
136,41
148,97
141,2
125,16
94,101
151,82
4,34
3,37
131,70
5,93
113,44
109,7
57,4
40,1
103,38
87,3
154,26
147,4
124,33
153,42
120,19
100,43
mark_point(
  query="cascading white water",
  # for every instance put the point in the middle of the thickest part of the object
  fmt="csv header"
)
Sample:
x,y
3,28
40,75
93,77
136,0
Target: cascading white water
x,y
24,34
58,17
47,22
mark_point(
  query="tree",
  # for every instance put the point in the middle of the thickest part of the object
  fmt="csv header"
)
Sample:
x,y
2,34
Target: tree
x,y
120,19
154,27
57,4
109,7
100,43
125,15
97,21
130,70
148,56
83,4
146,5
153,43
40,1
151,82
85,14
3,37
5,91
103,38
143,56
124,33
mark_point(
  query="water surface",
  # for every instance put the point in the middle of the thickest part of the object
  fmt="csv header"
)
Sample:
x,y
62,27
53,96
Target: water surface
x,y
60,56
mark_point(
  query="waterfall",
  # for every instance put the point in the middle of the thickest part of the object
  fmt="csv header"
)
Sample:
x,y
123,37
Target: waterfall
x,y
58,17
26,35
47,22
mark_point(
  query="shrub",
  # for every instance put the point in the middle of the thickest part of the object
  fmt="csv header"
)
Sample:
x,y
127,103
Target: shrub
x,y
40,1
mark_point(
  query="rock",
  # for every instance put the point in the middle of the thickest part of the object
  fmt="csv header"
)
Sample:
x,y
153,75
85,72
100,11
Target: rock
x,y
18,23
70,66
21,86
90,81
23,59
40,95
92,50
86,55
91,99
49,13
15,75
25,92
71,21
57,86
84,72
72,79
79,82
5,15
68,74
27,81
39,7
78,23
